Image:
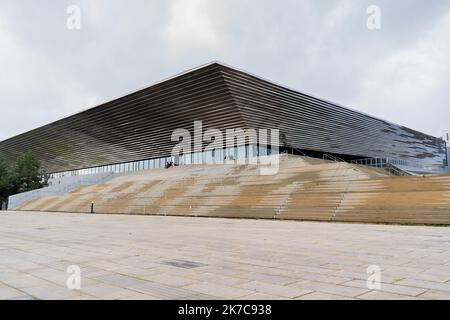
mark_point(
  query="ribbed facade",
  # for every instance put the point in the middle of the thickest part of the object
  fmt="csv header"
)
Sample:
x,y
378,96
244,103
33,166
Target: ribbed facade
x,y
139,126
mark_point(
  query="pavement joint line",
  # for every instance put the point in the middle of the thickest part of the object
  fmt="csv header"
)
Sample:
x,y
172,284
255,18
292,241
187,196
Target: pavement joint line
x,y
320,250
18,289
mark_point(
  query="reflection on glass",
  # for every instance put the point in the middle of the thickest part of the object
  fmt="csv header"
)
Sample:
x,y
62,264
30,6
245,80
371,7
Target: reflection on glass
x,y
206,157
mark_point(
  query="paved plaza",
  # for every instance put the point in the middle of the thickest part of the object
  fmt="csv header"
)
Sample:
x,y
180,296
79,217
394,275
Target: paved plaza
x,y
149,257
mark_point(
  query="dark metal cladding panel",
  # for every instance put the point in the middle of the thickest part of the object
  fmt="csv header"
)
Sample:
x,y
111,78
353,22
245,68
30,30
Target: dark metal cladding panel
x,y
139,126
135,127
314,124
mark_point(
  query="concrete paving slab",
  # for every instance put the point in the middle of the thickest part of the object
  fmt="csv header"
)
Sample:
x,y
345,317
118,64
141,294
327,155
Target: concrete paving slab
x,y
148,257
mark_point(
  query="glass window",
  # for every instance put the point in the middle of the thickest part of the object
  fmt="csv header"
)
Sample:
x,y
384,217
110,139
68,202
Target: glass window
x,y
262,150
230,152
209,156
241,152
187,158
217,155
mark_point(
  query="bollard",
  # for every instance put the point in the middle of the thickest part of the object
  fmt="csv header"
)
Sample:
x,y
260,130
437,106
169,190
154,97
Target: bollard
x,y
92,207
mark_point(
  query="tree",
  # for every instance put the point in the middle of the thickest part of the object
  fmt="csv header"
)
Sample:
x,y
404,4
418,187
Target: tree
x,y
28,174
6,180
25,175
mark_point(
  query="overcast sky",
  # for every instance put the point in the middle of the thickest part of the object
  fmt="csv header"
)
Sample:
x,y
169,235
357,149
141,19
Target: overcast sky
x,y
400,73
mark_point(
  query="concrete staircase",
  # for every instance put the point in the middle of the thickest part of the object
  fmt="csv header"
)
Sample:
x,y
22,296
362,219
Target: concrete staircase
x,y
303,189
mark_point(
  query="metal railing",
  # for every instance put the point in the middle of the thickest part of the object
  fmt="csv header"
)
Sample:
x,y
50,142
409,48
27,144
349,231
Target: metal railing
x,y
327,156
372,162
393,170
300,151
405,166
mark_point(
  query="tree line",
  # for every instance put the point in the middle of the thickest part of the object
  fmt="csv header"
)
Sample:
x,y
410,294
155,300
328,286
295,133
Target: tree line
x,y
24,175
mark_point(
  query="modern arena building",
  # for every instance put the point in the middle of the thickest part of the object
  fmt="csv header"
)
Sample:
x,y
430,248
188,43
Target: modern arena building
x,y
133,132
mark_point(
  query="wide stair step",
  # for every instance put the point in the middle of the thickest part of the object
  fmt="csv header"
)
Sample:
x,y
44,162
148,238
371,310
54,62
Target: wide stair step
x,y
303,189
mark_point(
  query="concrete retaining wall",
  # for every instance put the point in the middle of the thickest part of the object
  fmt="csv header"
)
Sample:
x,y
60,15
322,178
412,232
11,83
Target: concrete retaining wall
x,y
58,187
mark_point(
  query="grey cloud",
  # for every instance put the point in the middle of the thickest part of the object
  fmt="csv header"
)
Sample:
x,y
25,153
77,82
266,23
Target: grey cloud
x,y
319,47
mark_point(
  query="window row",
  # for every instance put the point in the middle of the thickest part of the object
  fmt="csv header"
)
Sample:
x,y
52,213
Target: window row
x,y
205,157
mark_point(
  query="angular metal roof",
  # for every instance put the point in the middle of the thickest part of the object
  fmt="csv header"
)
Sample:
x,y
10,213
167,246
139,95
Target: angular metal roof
x,y
139,125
